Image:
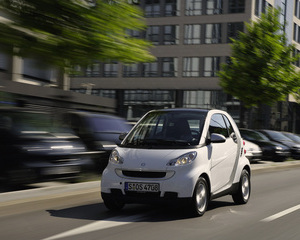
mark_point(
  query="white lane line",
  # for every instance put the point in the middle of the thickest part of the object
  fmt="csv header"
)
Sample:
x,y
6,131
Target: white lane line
x,y
281,214
98,225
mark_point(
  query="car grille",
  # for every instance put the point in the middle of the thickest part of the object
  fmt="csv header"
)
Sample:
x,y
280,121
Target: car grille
x,y
143,174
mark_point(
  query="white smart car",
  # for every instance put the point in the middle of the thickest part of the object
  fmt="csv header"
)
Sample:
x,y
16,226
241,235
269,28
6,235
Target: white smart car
x,y
178,155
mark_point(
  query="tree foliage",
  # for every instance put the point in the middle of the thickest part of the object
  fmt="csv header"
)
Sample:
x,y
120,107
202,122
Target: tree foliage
x,y
69,32
261,67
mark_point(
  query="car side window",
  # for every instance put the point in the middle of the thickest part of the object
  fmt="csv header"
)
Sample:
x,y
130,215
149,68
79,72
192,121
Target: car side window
x,y
217,125
229,126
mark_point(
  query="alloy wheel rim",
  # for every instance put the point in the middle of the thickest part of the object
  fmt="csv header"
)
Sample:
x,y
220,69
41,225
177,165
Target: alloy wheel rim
x,y
201,198
245,187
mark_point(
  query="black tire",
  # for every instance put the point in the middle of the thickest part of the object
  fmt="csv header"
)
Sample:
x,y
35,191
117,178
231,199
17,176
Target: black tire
x,y
113,204
200,198
242,196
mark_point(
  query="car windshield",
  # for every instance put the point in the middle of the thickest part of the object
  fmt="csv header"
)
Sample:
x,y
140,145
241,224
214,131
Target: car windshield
x,y
28,122
278,136
253,136
293,137
109,125
167,128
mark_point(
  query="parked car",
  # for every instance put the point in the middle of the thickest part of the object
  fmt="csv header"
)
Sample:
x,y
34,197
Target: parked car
x,y
178,155
282,139
253,151
294,137
271,150
34,148
99,132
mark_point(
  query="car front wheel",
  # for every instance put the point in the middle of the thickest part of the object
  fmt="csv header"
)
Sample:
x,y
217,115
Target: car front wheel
x,y
200,198
112,203
243,194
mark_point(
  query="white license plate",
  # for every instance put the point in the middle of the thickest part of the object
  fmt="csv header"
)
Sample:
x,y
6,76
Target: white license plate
x,y
61,170
142,187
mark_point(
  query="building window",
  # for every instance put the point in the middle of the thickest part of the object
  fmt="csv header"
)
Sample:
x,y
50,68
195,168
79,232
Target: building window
x,y
283,14
163,35
150,69
191,67
214,7
211,66
213,33
193,7
152,8
256,10
297,63
297,8
110,70
152,34
93,70
169,67
204,99
4,61
131,70
236,6
261,6
233,30
171,8
134,33
170,35
32,70
192,34
296,34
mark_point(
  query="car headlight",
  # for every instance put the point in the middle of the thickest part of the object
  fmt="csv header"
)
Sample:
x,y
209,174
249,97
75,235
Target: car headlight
x,y
279,148
183,160
115,157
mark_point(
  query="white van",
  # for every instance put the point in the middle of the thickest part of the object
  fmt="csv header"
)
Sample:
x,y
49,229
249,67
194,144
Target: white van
x,y
178,155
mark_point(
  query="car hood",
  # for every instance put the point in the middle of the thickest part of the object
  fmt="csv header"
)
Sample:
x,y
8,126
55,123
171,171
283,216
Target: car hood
x,y
148,159
50,143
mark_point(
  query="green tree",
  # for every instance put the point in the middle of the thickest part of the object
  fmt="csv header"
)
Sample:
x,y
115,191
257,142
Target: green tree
x,y
261,69
65,33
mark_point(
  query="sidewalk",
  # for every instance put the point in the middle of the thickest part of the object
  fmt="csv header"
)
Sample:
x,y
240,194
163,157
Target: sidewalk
x,y
268,165
50,190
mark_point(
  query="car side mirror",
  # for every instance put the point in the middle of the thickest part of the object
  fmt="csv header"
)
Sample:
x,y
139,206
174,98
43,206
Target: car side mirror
x,y
122,136
217,138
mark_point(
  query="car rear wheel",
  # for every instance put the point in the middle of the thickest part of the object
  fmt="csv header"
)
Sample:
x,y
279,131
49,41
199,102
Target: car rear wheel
x,y
200,198
243,194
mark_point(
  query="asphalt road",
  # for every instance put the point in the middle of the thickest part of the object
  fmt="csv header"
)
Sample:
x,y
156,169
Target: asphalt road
x,y
76,212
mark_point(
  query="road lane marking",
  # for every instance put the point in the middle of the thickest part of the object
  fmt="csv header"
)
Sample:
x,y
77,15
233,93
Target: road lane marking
x,y
281,214
98,225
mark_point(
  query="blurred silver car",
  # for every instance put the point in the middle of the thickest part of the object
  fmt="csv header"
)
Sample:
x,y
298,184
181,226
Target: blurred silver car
x,y
253,151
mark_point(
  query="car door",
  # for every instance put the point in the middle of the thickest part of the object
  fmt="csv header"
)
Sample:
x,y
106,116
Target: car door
x,y
222,156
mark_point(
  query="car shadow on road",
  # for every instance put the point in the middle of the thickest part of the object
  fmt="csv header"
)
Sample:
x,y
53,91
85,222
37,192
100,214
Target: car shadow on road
x,y
144,213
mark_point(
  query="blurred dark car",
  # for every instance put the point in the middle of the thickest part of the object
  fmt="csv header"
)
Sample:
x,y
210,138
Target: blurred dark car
x,y
34,147
99,132
282,139
270,150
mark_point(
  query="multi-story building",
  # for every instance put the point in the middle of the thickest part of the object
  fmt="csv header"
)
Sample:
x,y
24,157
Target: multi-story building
x,y
190,40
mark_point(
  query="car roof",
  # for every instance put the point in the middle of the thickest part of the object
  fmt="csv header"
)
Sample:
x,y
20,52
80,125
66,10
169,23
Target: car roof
x,y
91,114
183,110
